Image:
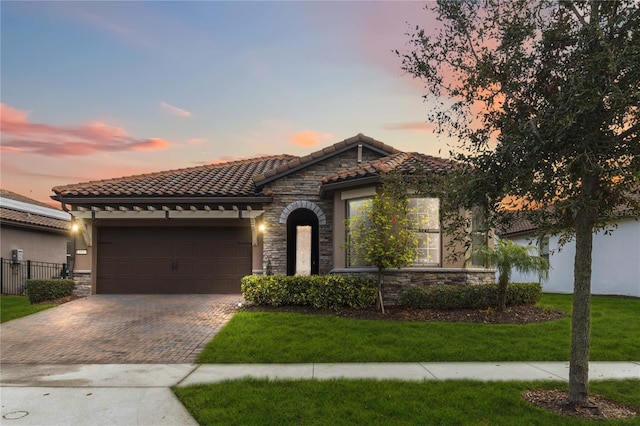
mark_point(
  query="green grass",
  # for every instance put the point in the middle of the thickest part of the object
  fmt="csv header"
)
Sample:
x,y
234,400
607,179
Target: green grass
x,y
12,307
370,402
274,337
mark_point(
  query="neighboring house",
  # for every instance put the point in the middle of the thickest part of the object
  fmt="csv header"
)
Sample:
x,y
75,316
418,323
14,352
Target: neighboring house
x,y
34,234
615,266
200,229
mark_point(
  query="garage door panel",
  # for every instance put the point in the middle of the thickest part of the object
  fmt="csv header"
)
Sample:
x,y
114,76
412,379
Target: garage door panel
x,y
172,260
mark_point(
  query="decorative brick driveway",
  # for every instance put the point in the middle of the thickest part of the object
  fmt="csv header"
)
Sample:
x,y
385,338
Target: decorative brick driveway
x,y
118,329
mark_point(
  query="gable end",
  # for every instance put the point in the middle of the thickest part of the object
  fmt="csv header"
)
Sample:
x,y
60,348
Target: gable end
x,y
321,155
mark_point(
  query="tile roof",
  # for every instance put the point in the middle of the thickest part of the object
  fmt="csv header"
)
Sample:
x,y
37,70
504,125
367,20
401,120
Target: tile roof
x,y
404,162
8,214
232,179
243,178
32,219
516,226
320,154
17,197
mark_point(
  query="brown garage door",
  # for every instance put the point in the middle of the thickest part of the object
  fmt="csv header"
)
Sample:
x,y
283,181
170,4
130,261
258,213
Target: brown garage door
x,y
179,260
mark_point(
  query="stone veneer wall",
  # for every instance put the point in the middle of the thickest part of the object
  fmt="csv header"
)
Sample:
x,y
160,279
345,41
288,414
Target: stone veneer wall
x,y
304,185
395,280
82,279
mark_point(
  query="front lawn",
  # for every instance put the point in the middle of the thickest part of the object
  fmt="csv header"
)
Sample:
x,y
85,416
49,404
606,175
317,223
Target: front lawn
x,y
370,402
12,307
281,337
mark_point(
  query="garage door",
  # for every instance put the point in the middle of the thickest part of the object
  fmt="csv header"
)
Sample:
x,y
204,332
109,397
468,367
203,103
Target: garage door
x,y
179,260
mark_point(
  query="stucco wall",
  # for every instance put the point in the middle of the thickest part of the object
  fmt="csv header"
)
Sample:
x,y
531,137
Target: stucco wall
x,y
615,268
38,246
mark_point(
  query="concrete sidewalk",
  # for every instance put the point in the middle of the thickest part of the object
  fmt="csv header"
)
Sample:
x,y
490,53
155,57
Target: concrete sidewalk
x,y
139,394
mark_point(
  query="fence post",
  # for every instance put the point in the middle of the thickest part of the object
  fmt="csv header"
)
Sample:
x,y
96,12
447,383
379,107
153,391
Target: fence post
x,y
28,269
1,275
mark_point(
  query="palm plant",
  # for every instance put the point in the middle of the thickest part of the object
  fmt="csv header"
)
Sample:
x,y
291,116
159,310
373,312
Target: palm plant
x,y
507,256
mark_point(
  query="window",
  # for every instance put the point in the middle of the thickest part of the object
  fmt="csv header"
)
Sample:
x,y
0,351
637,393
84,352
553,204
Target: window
x,y
543,247
356,208
424,221
478,236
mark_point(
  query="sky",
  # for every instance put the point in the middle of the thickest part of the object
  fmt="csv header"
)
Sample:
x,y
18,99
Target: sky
x,y
96,90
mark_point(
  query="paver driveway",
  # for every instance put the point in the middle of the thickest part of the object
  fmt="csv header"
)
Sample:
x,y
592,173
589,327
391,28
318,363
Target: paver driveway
x,y
118,329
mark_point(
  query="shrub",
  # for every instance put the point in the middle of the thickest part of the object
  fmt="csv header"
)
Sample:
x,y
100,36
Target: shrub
x,y
317,291
468,297
43,290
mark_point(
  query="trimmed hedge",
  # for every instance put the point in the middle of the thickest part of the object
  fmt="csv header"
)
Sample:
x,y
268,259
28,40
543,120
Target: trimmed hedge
x,y
469,297
317,291
43,290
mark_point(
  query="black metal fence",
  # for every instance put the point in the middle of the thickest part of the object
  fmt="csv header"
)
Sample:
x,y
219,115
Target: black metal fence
x,y
13,275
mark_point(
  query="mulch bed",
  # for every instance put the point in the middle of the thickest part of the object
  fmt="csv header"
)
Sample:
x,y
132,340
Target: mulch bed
x,y
512,315
599,408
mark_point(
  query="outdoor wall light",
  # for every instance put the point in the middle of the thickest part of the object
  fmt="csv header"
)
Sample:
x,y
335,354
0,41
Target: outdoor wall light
x,y
75,227
262,227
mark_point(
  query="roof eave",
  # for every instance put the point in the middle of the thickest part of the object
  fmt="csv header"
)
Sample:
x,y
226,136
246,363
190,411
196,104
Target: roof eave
x,y
160,200
16,224
327,189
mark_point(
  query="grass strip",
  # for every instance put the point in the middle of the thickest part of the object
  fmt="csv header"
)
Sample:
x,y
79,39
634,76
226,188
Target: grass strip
x,y
370,402
12,307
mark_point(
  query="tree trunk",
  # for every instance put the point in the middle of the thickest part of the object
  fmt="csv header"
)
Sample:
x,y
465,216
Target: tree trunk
x,y
380,300
581,318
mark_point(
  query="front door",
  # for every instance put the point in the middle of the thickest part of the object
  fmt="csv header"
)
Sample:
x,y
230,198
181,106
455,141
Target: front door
x,y
302,243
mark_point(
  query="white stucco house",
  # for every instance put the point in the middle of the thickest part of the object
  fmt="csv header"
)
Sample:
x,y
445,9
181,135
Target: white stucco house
x,y
616,258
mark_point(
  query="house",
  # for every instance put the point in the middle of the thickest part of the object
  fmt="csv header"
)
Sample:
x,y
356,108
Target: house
x,y
200,229
34,240
615,268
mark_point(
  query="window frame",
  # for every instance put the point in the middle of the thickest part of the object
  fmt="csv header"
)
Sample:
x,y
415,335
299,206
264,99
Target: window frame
x,y
543,247
420,261
420,234
479,235
348,216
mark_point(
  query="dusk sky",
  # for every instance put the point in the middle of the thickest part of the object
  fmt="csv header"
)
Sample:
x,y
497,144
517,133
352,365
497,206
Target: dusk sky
x,y
96,90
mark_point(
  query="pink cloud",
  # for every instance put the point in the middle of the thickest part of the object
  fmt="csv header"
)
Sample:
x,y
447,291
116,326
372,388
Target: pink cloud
x,y
20,135
153,144
411,125
196,141
12,115
174,110
309,138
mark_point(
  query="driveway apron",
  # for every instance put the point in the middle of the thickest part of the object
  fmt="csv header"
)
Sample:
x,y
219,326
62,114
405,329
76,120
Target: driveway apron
x,y
118,329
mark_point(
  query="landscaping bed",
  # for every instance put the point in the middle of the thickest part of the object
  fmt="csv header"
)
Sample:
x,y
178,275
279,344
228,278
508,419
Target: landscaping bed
x,y
523,314
600,408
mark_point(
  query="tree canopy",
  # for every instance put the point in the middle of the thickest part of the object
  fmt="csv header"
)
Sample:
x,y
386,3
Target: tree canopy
x,y
544,98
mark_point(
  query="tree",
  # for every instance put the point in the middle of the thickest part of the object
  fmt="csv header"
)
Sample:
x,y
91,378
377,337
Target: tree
x,y
506,256
379,235
543,97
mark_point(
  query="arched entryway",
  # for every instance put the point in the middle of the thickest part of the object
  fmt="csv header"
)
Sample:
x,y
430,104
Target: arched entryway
x,y
303,242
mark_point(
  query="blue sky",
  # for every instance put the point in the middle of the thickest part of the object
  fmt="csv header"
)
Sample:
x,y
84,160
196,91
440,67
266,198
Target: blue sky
x,y
94,90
